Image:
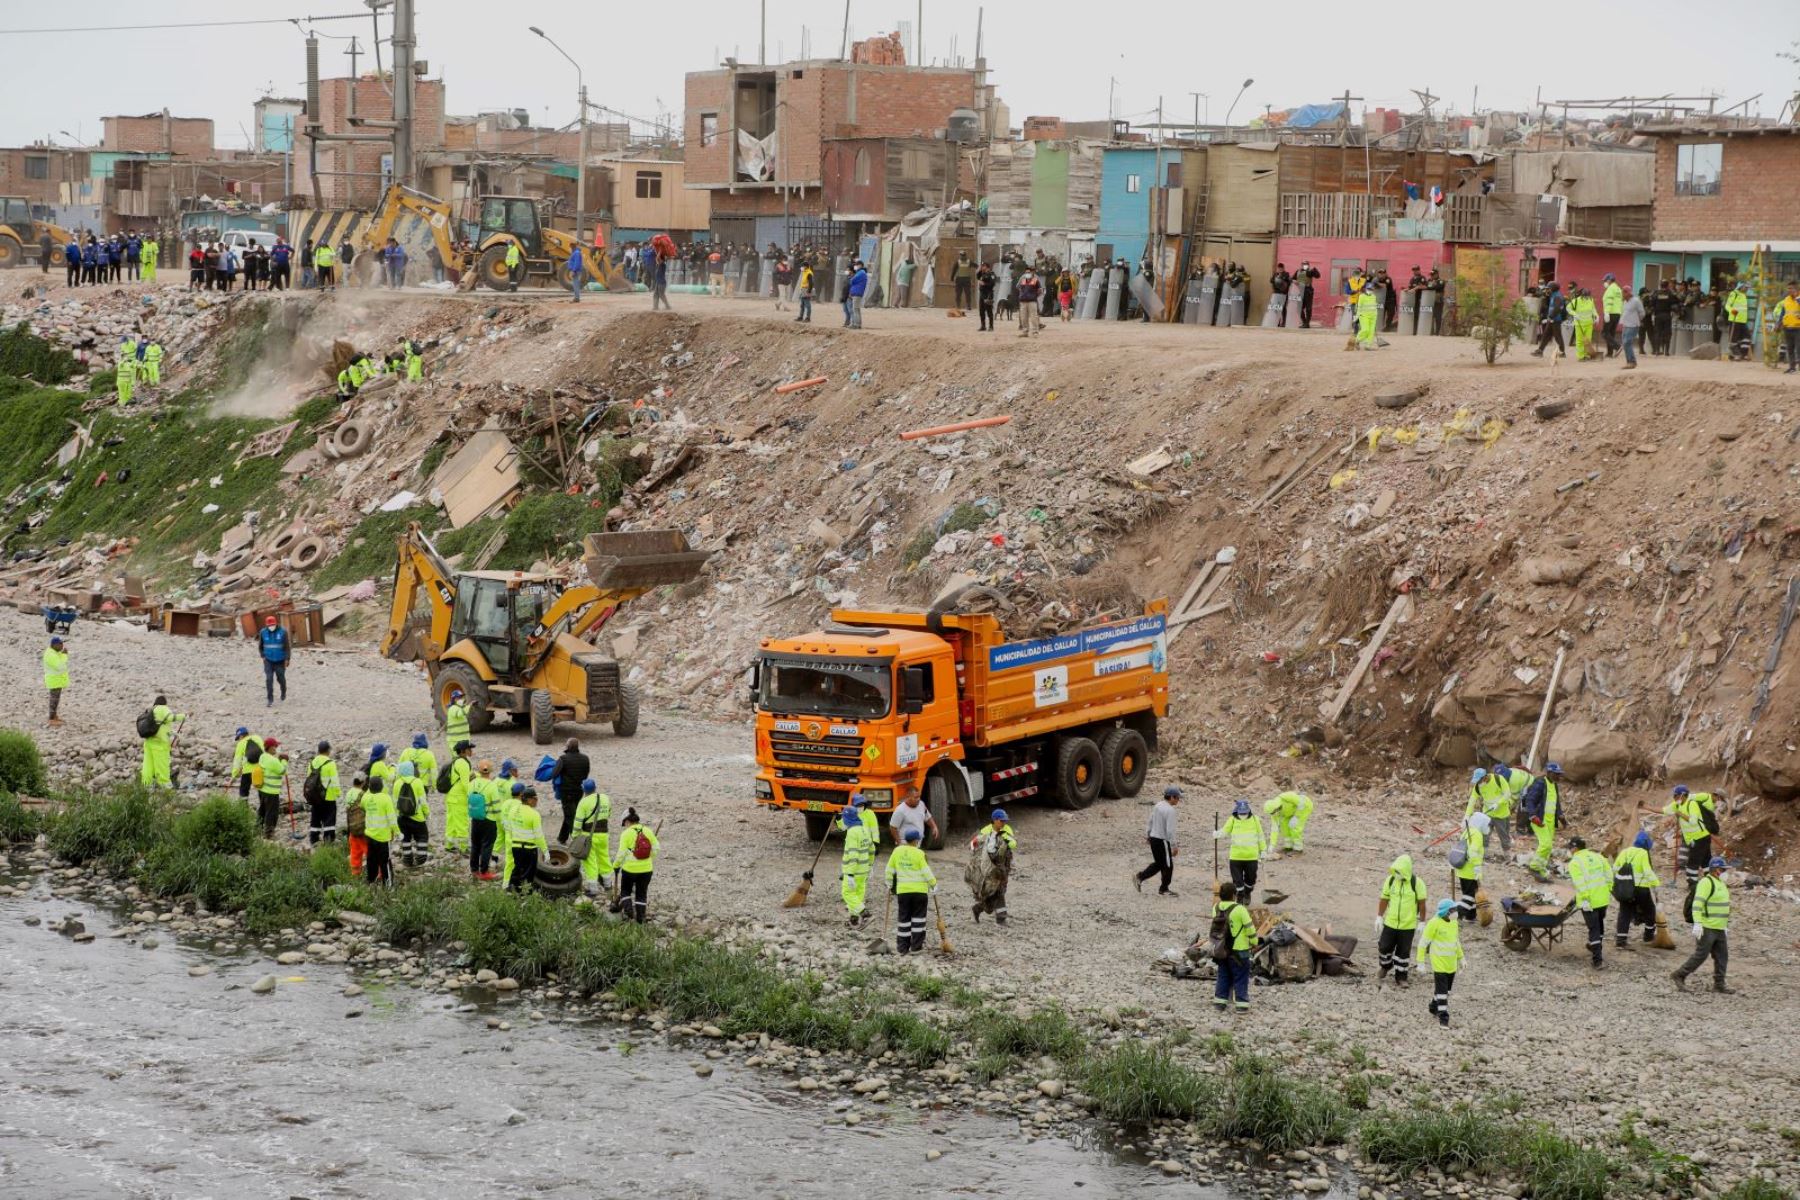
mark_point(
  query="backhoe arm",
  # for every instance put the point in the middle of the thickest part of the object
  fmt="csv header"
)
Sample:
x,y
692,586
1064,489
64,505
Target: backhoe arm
x,y
419,573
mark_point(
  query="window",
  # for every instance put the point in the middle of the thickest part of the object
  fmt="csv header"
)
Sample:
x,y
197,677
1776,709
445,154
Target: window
x,y
862,168
709,128
1134,183
649,185
37,166
1172,174
1697,168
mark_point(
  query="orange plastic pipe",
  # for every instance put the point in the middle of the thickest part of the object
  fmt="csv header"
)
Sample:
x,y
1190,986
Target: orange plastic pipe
x,y
796,385
935,430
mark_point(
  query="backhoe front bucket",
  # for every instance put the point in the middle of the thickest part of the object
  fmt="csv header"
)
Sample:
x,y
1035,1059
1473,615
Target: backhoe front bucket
x,y
647,559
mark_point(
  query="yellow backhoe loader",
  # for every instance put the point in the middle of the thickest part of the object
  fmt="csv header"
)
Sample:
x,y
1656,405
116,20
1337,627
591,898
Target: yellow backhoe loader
x,y
517,642
20,235
504,221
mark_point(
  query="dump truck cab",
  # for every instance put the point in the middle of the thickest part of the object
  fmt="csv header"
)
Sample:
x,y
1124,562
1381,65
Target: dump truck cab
x,y
940,704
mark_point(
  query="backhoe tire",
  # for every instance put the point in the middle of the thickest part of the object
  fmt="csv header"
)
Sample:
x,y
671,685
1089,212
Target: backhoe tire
x,y
543,717
475,695
626,723
818,825
1078,772
12,254
490,268
937,804
1124,761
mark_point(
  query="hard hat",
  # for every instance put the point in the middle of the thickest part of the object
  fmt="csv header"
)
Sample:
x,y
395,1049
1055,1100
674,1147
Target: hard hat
x,y
913,835
1402,865
1717,864
1479,822
1444,907
269,621
1476,776
407,770
271,744
587,787
485,766
999,814
1171,793
1642,840
1553,768
324,747
241,732
378,751
1681,789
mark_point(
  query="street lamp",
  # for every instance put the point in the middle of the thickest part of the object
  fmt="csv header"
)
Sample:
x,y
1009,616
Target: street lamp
x,y
582,153
1236,98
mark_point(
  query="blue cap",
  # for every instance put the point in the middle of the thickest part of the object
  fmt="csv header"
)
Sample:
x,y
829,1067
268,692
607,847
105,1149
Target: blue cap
x,y
1553,768
518,789
377,751
1642,840
56,641
1681,789
857,799
1171,792
1717,864
1241,808
508,767
1476,776
999,814
587,787
420,742
1444,907
913,835
241,732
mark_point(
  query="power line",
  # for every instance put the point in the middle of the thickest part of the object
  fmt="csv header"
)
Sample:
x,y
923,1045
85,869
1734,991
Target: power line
x,y
184,25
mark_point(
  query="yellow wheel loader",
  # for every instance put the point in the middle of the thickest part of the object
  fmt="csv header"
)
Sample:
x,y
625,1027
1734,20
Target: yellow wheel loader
x,y
517,642
20,234
505,220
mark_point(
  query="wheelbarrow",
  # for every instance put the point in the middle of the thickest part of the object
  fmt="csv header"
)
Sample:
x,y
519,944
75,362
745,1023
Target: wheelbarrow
x,y
1525,924
58,618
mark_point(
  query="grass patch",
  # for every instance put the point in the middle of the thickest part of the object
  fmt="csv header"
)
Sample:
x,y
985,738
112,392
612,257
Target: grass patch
x,y
1283,1114
546,524
216,826
1420,1139
1138,1082
925,987
1757,1189
21,766
1046,1032
27,356
114,828
369,554
17,823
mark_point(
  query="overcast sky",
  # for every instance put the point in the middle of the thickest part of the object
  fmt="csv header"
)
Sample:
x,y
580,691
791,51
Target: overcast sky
x,y
1047,56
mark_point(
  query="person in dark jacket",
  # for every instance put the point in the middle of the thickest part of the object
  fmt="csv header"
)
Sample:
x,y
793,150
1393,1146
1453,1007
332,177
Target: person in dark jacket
x,y
571,772
72,263
1550,321
272,646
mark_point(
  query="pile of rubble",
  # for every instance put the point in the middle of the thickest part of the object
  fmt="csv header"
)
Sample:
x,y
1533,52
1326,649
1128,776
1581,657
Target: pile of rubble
x,y
90,322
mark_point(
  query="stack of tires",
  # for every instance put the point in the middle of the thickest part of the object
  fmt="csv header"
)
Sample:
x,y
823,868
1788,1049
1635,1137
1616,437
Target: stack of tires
x,y
558,873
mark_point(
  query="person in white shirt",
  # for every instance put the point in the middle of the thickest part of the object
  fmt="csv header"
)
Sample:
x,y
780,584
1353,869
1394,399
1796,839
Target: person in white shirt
x,y
1164,845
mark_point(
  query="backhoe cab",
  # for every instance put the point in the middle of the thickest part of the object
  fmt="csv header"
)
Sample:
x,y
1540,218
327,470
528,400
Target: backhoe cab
x,y
517,642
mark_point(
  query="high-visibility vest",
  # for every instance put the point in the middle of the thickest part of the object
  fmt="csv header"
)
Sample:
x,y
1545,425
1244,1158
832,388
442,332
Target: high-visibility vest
x,y
1240,924
1403,896
1592,878
1691,813
1633,865
273,769
859,849
1245,835
908,872
56,668
381,819
1712,904
1441,946
1475,844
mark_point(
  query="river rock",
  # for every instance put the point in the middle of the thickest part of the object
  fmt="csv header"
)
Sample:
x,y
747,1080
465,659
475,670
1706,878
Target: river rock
x,y
263,986
933,1155
353,990
291,958
199,969
355,920
1052,1088
486,976
703,1070
506,985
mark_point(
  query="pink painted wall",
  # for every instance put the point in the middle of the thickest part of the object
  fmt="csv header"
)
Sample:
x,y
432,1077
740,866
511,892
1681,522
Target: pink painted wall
x,y
1585,264
1398,257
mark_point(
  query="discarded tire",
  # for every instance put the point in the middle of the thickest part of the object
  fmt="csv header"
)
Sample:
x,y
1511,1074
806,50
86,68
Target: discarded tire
x,y
282,542
352,438
236,561
557,889
306,554
1397,399
558,864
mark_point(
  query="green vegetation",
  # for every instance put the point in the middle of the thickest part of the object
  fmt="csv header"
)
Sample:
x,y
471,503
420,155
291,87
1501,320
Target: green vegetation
x,y
21,766
962,516
17,823
369,554
547,524
1758,1189
26,356
1485,1140
1283,1114
1139,1082
1046,1032
36,421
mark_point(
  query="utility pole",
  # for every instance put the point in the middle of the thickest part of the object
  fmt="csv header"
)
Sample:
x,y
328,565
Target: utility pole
x,y
581,152
405,41
762,47
1197,98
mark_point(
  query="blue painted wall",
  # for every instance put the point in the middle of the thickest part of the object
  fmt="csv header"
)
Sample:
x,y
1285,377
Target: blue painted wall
x,y
1124,213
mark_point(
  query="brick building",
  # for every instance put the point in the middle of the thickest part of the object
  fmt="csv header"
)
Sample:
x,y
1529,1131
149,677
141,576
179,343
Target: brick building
x,y
756,135
354,174
158,133
43,174
1721,190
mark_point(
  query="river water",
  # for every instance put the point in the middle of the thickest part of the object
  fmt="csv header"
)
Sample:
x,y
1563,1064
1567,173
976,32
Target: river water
x,y
122,1076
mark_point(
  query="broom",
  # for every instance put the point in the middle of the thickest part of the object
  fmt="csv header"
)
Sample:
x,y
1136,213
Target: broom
x,y
944,946
880,944
798,899
1663,940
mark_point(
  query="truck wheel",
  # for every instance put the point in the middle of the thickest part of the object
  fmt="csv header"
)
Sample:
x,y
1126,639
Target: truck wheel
x,y
818,825
459,677
1124,762
1077,772
491,268
543,717
625,724
12,254
937,803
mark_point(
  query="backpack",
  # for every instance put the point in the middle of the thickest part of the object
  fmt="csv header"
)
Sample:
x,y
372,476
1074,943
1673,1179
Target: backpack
x,y
146,723
443,778
1219,937
546,769
1459,853
357,821
406,800
313,790
640,845
252,751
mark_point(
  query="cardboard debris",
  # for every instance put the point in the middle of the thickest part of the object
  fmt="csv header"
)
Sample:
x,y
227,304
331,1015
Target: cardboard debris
x,y
1150,463
398,501
269,442
478,478
236,538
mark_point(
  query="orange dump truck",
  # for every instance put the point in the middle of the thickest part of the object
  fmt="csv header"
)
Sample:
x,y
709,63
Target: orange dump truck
x,y
940,703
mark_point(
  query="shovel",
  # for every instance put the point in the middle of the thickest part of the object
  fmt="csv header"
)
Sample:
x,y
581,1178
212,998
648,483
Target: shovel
x,y
798,899
880,944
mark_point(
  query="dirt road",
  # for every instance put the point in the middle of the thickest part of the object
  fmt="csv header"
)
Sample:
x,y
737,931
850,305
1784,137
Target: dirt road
x,y
1709,1074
